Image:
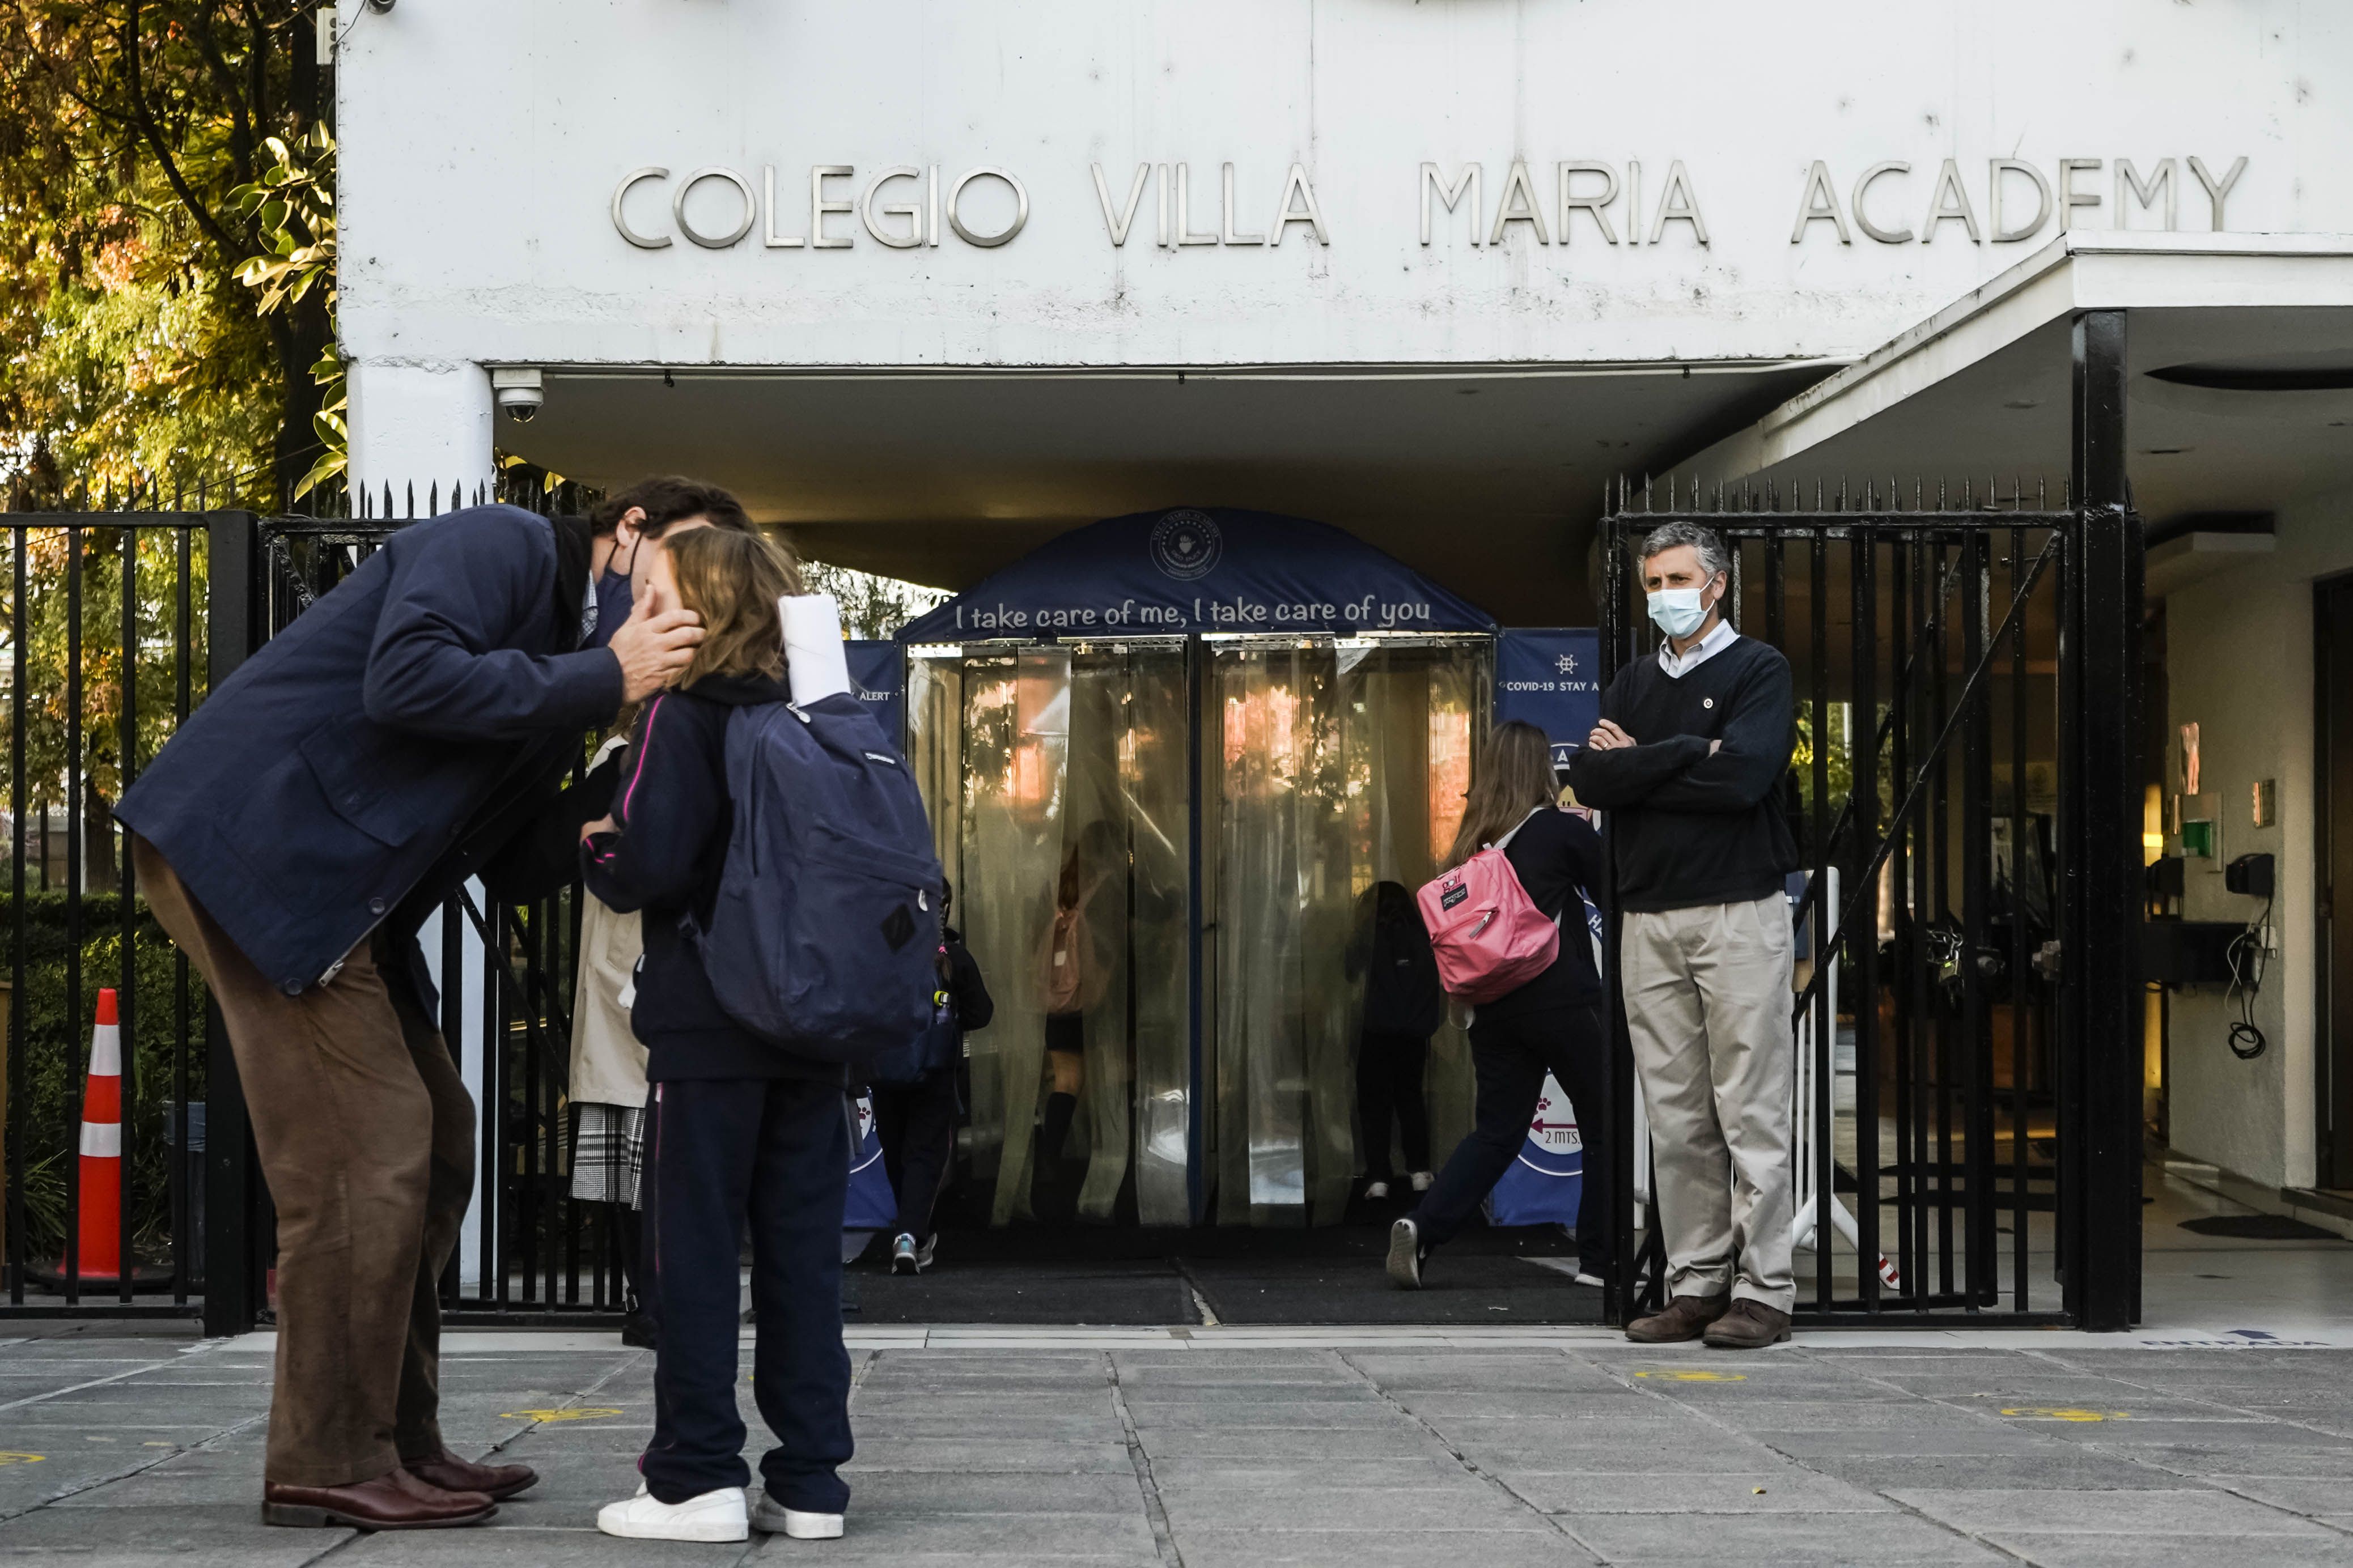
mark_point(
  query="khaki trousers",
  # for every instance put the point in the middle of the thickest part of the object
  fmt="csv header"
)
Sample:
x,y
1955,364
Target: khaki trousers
x,y
367,1136
1707,1003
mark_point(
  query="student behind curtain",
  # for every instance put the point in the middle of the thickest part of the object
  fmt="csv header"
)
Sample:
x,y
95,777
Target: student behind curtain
x,y
1403,1007
742,1131
1551,1023
915,1117
1070,979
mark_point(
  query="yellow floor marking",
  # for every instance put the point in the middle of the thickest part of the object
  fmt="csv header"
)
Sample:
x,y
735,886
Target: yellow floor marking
x,y
1697,1377
584,1414
2050,1412
22,1459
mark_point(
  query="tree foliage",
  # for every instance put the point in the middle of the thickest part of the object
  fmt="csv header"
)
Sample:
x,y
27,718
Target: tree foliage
x,y
134,355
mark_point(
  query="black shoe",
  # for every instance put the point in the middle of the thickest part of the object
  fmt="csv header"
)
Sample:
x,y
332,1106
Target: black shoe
x,y
640,1332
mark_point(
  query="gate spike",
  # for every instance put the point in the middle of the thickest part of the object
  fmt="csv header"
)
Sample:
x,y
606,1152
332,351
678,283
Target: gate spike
x,y
1646,494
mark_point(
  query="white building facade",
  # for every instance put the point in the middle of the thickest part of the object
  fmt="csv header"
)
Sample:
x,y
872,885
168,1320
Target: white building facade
x,y
932,282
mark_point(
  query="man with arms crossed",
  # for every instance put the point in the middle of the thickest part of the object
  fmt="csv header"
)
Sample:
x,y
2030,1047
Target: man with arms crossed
x,y
291,837
1687,760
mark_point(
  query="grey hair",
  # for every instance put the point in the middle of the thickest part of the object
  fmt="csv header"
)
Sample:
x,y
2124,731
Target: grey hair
x,y
1668,535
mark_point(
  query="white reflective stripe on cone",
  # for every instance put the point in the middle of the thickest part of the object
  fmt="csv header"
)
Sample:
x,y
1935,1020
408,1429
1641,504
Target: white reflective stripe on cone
x,y
102,1139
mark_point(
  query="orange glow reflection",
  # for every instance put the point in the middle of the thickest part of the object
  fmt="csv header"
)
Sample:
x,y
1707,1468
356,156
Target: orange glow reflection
x,y
1449,775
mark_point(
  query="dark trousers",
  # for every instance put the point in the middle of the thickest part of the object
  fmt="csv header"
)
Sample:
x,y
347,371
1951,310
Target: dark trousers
x,y
1511,1057
916,1122
777,1152
367,1135
1389,1089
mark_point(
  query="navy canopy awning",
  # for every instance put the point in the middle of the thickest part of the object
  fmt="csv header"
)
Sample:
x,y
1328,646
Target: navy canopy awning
x,y
1199,569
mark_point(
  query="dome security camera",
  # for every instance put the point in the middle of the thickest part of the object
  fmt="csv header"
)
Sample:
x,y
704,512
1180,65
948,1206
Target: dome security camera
x,y
519,392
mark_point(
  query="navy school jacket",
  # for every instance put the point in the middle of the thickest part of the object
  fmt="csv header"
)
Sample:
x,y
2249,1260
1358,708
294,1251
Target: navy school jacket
x,y
385,745
666,859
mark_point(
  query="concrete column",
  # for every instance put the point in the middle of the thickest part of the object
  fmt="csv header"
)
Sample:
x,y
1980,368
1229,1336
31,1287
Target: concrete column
x,y
422,424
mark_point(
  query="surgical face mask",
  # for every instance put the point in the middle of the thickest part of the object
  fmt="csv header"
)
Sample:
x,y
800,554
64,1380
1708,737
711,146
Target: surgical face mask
x,y
1677,611
613,599
613,603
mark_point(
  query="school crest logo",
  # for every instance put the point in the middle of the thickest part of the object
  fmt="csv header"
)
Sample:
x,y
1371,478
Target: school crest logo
x,y
1186,544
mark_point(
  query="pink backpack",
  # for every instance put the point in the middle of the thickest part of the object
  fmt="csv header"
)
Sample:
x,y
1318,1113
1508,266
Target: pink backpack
x,y
1489,935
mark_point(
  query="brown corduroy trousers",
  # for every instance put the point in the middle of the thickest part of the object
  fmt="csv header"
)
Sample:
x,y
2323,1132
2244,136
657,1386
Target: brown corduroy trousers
x,y
367,1135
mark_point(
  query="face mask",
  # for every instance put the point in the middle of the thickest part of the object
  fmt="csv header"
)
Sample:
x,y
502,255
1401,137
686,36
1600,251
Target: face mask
x,y
1678,611
613,600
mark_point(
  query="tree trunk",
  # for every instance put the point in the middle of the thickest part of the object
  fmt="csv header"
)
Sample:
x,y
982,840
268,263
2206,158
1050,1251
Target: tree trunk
x,y
101,872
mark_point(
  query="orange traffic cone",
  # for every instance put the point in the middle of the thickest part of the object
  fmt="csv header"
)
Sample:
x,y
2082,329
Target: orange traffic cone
x,y
100,1252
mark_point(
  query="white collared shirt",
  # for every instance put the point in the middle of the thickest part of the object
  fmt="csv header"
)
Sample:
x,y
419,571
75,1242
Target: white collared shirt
x,y
1719,636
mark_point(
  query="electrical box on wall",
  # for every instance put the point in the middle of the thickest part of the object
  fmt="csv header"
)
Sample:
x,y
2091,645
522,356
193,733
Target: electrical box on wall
x,y
2250,875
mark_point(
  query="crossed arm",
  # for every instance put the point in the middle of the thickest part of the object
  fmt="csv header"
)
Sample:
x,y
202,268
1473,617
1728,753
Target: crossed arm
x,y
1691,773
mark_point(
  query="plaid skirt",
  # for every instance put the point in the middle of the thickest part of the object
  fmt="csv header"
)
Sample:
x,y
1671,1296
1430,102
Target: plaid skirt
x,y
608,1153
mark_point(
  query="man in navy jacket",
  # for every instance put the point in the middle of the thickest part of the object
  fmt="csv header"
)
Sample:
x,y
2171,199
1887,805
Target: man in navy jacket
x,y
291,837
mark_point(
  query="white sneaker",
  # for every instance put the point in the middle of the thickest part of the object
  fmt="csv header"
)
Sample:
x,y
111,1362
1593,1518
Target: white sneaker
x,y
1405,1255
777,1520
1421,1180
714,1516
1377,1192
1593,1280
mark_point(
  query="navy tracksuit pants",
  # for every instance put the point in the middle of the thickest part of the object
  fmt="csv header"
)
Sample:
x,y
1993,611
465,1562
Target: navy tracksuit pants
x,y
774,1152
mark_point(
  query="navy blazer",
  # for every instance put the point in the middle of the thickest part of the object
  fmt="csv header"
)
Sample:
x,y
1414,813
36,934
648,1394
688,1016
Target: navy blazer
x,y
348,759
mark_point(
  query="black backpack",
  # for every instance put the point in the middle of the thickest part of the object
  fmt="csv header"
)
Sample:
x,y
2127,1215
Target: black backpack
x,y
1402,995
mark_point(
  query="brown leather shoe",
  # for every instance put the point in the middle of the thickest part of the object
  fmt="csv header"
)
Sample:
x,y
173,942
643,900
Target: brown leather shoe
x,y
397,1500
1686,1318
452,1473
1749,1326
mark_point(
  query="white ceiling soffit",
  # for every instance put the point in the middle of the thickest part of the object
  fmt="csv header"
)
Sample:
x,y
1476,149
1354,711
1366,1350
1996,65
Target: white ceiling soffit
x,y
1920,382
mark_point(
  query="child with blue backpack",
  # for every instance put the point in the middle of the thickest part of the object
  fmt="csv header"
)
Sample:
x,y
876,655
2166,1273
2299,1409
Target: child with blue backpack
x,y
915,1097
742,1131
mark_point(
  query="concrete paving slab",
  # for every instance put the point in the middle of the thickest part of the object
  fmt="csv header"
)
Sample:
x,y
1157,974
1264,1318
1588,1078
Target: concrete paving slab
x,y
2168,1552
1783,1489
1214,1548
1348,1508
2056,1471
2178,1512
1774,1541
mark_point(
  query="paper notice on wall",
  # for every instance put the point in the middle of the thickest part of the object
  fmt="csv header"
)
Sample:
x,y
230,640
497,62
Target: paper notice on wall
x,y
816,662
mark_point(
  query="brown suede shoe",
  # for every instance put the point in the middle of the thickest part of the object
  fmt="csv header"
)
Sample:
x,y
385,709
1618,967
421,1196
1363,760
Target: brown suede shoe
x,y
395,1502
1749,1326
1686,1318
452,1473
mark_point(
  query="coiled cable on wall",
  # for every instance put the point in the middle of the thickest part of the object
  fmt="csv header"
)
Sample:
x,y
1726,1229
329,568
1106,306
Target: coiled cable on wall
x,y
2245,955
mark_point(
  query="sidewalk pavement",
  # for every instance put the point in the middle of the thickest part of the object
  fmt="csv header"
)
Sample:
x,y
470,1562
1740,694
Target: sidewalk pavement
x,y
1365,1448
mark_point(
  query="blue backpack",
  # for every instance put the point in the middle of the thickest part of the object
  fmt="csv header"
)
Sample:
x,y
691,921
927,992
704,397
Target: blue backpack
x,y
821,939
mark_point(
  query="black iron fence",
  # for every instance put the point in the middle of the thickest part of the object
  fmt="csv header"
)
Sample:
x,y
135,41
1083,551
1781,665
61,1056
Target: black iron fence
x,y
119,622
1964,795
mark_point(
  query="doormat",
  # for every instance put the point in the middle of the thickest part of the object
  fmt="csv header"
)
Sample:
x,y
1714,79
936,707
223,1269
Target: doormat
x,y
2259,1227
1304,1277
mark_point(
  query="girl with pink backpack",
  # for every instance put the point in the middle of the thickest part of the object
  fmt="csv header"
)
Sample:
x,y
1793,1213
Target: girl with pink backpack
x,y
1507,920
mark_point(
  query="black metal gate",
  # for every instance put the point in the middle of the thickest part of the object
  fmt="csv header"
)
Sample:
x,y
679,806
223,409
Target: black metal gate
x,y
1964,800
531,1254
118,621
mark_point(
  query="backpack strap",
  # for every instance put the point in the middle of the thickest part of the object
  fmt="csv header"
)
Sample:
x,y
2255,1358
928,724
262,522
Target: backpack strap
x,y
1505,841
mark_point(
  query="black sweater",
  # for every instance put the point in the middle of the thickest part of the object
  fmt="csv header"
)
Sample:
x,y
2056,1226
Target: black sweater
x,y
666,861
1688,827
1555,855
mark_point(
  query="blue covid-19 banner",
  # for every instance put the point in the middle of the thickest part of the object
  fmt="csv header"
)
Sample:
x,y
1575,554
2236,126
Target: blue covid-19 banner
x,y
879,671
1550,677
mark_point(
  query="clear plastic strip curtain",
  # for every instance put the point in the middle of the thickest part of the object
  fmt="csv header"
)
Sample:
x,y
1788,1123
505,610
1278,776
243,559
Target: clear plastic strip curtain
x,y
1035,762
1338,764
